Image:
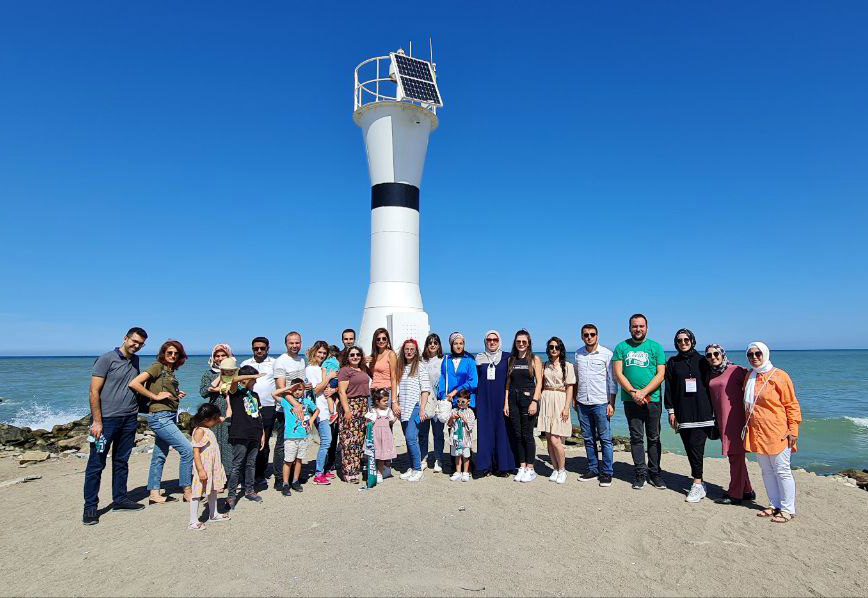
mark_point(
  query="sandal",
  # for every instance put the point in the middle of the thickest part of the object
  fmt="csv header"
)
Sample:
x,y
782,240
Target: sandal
x,y
166,499
782,517
220,517
196,527
770,512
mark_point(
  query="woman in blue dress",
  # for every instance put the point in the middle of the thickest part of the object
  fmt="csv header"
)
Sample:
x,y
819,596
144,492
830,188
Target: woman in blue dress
x,y
494,449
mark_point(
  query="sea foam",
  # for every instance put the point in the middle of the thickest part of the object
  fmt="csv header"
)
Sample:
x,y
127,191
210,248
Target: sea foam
x,y
859,421
39,416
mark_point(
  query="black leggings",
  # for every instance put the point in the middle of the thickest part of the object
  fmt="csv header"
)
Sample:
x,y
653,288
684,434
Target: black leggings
x,y
522,424
694,446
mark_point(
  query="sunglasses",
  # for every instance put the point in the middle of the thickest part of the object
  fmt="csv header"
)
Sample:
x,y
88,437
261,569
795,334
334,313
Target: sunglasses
x,y
683,341
171,352
589,334
520,342
354,355
433,343
381,338
553,348
260,348
713,354
491,340
754,355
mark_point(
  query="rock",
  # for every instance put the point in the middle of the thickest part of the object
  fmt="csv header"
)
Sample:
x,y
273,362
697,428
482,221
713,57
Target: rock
x,y
74,442
14,436
149,433
141,423
69,451
33,457
184,420
38,433
61,430
84,422
860,477
144,439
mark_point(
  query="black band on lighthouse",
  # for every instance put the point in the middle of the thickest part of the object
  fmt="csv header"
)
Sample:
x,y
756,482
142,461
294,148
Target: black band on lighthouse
x,y
400,195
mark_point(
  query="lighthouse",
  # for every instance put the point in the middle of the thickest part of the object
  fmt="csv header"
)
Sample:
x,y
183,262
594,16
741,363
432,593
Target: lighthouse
x,y
395,104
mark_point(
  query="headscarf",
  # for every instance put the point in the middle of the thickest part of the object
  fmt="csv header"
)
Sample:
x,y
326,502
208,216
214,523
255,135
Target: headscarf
x,y
719,369
490,358
225,347
452,338
764,368
692,338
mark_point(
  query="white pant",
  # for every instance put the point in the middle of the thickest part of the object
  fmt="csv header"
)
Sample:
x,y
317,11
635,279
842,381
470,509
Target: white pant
x,y
778,480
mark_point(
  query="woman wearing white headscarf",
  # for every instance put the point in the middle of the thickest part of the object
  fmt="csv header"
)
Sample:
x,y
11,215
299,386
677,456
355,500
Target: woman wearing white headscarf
x,y
772,430
494,451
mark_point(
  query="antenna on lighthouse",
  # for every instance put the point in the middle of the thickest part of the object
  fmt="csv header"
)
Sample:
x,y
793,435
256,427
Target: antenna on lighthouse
x,y
395,127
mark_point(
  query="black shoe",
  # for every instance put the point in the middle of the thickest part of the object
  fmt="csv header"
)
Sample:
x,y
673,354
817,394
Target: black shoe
x,y
253,497
587,476
657,482
286,491
297,486
638,483
749,496
127,505
230,503
90,517
501,474
726,500
605,480
278,486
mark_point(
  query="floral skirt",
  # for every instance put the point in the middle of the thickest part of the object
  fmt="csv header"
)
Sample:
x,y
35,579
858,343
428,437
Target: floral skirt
x,y
352,438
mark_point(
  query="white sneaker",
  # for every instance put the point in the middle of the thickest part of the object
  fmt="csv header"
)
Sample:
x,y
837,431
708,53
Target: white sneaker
x,y
417,476
456,477
562,477
465,477
529,475
406,474
424,465
697,493
519,477
554,476
437,468
379,478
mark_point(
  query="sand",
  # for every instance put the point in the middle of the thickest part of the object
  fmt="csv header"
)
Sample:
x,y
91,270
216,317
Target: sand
x,y
487,537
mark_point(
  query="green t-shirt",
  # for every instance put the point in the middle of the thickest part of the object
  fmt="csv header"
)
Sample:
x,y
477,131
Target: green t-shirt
x,y
640,363
162,378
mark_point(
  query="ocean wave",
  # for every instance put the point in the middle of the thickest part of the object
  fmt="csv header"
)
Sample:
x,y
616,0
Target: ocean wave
x,y
39,416
859,421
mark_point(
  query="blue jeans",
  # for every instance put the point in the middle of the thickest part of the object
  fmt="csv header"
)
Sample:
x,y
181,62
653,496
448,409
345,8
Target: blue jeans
x,y
325,441
593,420
437,427
167,434
120,436
411,435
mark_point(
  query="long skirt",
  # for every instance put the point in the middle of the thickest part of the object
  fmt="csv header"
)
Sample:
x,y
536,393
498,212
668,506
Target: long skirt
x,y
352,438
221,432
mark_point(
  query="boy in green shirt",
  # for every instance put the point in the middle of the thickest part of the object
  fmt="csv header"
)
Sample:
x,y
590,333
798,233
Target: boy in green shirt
x,y
639,365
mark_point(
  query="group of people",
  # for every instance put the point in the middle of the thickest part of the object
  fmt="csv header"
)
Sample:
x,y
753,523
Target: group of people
x,y
495,399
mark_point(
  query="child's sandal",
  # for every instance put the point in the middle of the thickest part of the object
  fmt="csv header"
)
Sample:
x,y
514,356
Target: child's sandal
x,y
196,527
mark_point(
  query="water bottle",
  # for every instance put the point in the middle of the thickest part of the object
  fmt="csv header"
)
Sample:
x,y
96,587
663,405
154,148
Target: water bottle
x,y
99,445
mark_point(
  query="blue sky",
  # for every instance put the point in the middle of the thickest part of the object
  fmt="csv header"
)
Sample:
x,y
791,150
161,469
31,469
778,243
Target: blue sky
x,y
193,168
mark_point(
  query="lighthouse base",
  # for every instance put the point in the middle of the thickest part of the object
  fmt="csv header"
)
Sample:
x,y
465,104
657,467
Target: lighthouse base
x,y
400,324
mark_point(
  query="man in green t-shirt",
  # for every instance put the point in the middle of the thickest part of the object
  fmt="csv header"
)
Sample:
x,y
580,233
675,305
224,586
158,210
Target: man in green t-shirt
x,y
639,365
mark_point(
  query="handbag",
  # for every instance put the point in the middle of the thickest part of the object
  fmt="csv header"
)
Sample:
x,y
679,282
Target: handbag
x,y
444,406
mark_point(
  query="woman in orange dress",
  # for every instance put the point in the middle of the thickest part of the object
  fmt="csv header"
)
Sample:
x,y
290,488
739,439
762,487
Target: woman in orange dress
x,y
772,430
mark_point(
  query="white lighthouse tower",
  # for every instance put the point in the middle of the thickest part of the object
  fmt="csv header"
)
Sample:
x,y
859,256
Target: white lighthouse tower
x,y
395,103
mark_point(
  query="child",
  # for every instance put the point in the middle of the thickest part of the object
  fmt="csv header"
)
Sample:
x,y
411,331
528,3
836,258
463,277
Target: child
x,y
330,368
384,441
296,434
209,478
461,425
246,434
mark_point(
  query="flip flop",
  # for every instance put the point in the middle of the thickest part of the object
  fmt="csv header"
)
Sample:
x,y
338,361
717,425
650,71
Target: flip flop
x,y
220,517
770,512
782,517
196,527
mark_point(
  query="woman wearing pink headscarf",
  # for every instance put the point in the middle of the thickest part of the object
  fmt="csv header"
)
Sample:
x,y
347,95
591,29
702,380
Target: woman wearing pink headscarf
x,y
208,390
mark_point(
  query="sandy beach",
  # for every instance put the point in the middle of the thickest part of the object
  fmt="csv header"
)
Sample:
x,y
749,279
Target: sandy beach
x,y
482,538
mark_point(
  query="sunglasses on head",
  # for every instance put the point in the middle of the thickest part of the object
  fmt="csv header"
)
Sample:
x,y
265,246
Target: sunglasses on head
x,y
713,354
754,354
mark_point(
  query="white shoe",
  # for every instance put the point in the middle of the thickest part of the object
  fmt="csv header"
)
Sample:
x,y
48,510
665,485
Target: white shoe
x,y
379,478
562,477
437,468
417,476
456,477
529,475
697,493
465,477
424,465
406,474
519,477
554,476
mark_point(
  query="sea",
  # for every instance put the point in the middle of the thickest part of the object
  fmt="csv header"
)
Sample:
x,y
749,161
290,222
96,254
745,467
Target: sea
x,y
832,388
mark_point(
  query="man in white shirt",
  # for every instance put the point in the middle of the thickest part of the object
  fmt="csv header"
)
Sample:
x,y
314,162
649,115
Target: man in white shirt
x,y
264,387
595,404
286,367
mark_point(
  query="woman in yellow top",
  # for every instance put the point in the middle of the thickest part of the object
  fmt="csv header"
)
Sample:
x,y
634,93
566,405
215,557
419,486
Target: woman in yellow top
x,y
772,430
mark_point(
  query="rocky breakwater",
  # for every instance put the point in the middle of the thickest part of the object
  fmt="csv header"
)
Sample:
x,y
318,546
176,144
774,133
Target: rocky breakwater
x,y
33,446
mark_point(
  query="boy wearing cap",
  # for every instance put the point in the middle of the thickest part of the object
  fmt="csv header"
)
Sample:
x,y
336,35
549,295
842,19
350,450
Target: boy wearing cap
x,y
296,435
246,434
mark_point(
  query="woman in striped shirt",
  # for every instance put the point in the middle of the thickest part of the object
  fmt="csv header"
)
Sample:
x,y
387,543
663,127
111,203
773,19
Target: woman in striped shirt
x,y
413,390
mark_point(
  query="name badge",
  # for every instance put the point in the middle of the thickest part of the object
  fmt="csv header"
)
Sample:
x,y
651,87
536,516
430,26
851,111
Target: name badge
x,y
690,385
491,371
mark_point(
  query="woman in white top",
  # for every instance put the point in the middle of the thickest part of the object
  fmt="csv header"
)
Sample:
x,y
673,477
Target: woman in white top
x,y
326,406
432,359
414,391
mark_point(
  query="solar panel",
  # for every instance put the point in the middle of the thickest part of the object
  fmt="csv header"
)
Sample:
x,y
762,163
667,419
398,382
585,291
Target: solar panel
x,y
416,79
